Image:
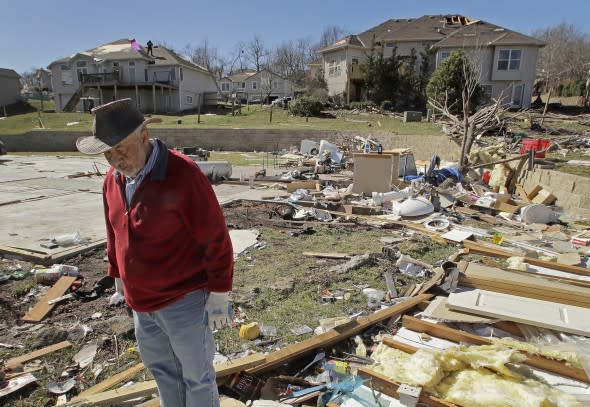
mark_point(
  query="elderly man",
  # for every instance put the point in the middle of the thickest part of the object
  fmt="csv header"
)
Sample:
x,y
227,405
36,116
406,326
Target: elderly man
x,y
168,243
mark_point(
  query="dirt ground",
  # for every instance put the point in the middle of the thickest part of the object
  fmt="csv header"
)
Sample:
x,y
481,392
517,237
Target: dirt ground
x,y
274,285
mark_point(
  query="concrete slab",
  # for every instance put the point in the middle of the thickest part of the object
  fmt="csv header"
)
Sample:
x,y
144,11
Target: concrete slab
x,y
38,201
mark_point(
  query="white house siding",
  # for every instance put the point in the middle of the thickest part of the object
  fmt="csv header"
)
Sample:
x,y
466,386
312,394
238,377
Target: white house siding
x,y
9,89
503,83
193,83
337,80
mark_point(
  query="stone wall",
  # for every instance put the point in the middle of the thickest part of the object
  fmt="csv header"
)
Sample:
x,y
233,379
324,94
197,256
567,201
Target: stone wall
x,y
571,190
243,140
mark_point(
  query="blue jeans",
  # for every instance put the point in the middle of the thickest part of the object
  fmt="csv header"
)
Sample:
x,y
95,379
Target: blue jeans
x,y
177,346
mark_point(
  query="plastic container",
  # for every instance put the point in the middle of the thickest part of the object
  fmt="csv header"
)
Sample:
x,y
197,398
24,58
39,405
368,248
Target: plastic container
x,y
51,275
533,144
69,239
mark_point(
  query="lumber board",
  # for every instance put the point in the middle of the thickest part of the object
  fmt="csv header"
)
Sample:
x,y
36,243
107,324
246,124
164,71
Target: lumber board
x,y
14,362
42,308
487,249
343,256
28,255
112,397
112,381
454,335
146,388
388,386
336,334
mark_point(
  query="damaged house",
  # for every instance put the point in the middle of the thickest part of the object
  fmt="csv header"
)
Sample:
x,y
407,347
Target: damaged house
x,y
507,58
162,83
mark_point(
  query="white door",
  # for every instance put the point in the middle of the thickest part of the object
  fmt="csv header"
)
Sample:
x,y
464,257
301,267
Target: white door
x,y
546,314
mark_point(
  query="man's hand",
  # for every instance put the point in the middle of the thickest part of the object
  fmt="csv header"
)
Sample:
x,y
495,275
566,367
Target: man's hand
x,y
218,310
119,296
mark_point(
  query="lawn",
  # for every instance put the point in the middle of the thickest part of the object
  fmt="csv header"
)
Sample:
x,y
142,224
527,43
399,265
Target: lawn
x,y
255,117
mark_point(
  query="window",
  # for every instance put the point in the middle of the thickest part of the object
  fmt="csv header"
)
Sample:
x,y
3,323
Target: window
x,y
81,69
509,60
334,68
173,74
243,85
254,84
389,44
131,71
487,91
189,100
355,61
139,101
145,75
115,64
181,74
517,95
81,64
66,75
276,84
444,55
64,67
225,87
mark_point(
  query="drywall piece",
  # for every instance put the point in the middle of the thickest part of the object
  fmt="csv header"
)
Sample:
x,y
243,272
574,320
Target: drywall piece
x,y
242,240
373,172
412,207
566,318
457,235
439,310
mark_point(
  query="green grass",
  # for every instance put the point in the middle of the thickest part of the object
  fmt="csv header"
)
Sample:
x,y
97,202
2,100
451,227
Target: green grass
x,y
561,164
281,261
256,118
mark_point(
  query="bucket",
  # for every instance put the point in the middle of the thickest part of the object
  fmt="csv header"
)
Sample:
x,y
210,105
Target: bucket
x,y
534,144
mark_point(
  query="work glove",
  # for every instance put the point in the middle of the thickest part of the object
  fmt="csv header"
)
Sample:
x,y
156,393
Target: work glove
x,y
119,296
218,310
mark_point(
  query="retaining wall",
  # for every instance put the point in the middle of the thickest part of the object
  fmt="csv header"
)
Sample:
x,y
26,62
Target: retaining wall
x,y
571,191
242,140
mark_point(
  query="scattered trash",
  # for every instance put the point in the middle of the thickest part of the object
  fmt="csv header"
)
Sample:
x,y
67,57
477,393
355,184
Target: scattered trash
x,y
61,387
249,331
86,355
301,330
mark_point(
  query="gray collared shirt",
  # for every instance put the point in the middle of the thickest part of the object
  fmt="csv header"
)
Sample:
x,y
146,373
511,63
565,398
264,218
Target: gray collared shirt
x,y
132,184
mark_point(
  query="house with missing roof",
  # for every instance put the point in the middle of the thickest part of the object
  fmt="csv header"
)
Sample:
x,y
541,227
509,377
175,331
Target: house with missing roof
x,y
253,86
507,58
162,83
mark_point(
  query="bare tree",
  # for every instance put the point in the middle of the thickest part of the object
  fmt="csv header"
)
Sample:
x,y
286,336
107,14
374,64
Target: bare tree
x,y
207,56
256,53
469,125
238,58
291,57
564,56
331,34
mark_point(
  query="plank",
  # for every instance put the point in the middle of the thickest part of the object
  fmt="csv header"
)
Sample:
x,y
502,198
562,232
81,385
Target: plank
x,y
343,256
336,334
149,387
454,335
34,257
14,362
295,185
112,381
546,314
487,249
42,308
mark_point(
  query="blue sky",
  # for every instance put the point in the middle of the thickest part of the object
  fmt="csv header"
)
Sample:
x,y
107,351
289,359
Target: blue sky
x,y
35,33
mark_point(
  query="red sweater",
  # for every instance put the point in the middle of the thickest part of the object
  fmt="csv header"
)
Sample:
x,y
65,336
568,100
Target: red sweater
x,y
172,238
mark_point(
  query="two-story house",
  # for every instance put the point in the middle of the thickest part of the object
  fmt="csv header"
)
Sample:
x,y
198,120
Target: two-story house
x,y
436,37
253,86
162,83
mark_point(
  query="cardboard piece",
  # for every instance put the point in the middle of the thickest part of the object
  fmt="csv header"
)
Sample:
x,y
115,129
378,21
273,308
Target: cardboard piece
x,y
457,235
541,196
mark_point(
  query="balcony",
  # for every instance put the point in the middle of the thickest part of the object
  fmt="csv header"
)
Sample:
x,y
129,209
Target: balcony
x,y
99,78
354,72
116,78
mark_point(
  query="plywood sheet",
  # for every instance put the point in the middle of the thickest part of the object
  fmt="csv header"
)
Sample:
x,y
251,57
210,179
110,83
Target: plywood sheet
x,y
561,317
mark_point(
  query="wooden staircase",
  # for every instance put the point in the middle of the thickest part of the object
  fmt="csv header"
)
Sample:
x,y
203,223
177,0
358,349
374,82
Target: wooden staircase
x,y
69,107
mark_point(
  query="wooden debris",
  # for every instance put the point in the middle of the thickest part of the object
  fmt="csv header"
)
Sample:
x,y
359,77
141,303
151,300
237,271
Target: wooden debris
x,y
39,311
14,362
